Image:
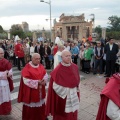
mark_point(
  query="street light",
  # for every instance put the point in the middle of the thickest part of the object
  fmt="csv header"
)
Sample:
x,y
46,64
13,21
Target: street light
x,y
49,3
93,20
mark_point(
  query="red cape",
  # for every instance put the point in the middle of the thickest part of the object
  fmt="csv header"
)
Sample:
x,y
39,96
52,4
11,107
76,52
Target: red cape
x,y
55,49
66,77
6,65
110,91
90,38
27,94
19,50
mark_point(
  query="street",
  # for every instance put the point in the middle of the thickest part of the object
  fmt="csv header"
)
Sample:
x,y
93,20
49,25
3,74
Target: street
x,y
90,89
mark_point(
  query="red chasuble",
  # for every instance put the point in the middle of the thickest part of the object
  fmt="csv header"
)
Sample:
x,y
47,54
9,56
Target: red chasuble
x,y
110,91
66,77
6,65
5,108
27,94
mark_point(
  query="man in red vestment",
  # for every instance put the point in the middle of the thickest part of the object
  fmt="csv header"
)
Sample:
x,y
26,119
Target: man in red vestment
x,y
109,108
63,93
6,84
32,90
90,38
55,49
19,52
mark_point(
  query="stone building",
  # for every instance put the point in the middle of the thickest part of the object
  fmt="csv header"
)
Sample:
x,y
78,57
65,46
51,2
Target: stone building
x,y
72,27
25,26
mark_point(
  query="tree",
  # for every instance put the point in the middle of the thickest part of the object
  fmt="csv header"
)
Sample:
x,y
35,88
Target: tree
x,y
98,29
17,30
1,29
114,22
28,34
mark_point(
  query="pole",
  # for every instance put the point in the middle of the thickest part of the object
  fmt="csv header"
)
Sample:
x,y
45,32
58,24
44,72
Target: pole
x,y
50,21
50,17
93,20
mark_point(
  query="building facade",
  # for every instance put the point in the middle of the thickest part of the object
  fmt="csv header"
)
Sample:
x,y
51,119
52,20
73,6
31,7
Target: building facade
x,y
25,26
72,27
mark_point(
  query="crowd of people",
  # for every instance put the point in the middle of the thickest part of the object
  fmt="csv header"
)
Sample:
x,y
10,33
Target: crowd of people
x,y
96,57
63,95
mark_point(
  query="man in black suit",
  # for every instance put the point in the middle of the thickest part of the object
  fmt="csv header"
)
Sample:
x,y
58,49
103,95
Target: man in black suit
x,y
111,49
39,49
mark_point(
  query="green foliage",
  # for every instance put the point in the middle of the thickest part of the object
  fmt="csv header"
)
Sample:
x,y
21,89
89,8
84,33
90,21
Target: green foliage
x,y
114,22
1,29
98,29
114,34
113,30
3,35
28,34
17,30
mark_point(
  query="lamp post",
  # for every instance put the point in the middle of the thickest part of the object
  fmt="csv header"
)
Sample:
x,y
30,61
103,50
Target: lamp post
x,y
49,3
93,20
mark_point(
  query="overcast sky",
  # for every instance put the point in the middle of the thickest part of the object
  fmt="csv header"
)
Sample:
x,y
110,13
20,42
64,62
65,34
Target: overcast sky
x,y
35,12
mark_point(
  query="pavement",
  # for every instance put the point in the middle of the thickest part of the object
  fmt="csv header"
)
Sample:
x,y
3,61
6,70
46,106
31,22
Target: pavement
x,y
90,89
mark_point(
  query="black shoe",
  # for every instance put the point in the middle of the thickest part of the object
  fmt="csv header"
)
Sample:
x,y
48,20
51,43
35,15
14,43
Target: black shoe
x,y
87,72
107,76
94,73
19,69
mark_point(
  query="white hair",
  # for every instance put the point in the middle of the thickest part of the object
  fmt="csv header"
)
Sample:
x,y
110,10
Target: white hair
x,y
64,52
34,54
1,49
60,46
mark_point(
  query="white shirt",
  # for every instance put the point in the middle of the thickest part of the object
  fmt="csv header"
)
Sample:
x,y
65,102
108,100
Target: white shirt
x,y
67,48
111,46
113,111
31,50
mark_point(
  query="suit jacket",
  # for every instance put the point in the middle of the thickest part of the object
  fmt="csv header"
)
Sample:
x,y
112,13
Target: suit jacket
x,y
41,50
36,49
111,54
48,51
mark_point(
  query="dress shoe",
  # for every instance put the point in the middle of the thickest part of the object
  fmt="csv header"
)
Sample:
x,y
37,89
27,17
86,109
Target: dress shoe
x,y
107,76
19,69
87,72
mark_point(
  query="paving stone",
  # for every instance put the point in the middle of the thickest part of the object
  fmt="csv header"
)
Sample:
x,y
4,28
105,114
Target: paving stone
x,y
90,89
